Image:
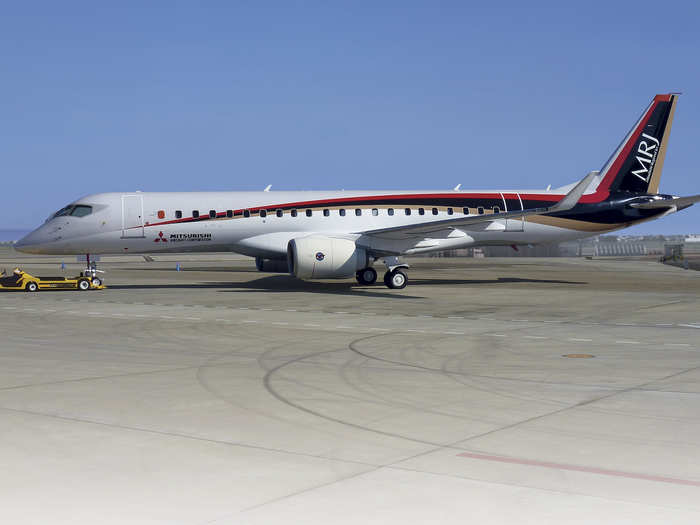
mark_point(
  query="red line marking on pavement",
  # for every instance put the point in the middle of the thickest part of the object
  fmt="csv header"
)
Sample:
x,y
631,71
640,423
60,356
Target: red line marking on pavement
x,y
579,468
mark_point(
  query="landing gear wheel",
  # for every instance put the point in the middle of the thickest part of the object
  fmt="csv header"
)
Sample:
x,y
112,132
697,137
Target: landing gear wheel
x,y
396,279
83,285
367,276
31,286
97,281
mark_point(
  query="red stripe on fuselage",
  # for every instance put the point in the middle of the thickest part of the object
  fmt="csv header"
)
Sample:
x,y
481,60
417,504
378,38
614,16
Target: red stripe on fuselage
x,y
397,197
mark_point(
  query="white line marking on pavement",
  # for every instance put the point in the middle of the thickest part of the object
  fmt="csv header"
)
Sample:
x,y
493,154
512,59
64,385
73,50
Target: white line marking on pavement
x,y
311,325
627,342
496,335
455,317
689,326
455,333
193,318
250,321
535,337
579,340
676,344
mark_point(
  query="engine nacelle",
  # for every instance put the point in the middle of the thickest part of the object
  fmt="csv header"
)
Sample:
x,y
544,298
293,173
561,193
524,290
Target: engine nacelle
x,y
319,257
271,265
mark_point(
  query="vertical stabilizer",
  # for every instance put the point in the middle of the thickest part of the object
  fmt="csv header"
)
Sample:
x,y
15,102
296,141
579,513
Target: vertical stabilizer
x,y
635,166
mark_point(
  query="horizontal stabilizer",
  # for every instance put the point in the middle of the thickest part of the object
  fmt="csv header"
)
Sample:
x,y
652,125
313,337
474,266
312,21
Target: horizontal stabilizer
x,y
677,202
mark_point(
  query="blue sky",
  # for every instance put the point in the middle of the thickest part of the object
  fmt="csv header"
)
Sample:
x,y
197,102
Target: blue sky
x,y
188,96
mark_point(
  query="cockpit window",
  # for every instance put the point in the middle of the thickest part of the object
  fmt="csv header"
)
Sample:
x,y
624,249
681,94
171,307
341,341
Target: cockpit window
x,y
63,211
81,211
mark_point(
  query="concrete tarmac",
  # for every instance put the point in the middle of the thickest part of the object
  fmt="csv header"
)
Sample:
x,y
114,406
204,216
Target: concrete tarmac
x,y
219,394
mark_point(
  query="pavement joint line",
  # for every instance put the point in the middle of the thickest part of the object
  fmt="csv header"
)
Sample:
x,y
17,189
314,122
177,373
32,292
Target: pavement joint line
x,y
535,337
250,321
579,340
627,342
689,325
193,318
496,335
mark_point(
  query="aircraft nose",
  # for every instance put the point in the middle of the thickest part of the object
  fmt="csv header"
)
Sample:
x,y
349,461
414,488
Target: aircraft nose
x,y
30,243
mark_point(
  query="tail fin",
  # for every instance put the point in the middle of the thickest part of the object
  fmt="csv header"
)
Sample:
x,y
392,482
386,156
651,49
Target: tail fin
x,y
636,164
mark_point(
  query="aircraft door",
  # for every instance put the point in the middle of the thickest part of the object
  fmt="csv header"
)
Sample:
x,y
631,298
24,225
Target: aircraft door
x,y
132,216
516,224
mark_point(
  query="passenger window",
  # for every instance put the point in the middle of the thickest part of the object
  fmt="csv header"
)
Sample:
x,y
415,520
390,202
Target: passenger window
x,y
212,214
421,211
195,214
435,211
279,213
263,213
81,211
450,211
496,209
465,211
178,214
341,212
309,213
390,211
293,213
229,213
375,211
358,211
480,210
407,211
246,213
326,213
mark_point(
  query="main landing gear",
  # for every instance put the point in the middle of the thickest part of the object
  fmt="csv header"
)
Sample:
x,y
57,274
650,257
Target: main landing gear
x,y
367,276
394,278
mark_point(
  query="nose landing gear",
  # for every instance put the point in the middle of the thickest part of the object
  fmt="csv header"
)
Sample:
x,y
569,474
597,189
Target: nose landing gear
x,y
92,271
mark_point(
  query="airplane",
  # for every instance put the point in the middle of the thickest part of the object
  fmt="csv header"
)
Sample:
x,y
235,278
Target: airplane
x,y
340,234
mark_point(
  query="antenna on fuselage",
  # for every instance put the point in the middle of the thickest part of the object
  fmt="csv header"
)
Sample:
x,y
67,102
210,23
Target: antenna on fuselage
x,y
456,188
267,188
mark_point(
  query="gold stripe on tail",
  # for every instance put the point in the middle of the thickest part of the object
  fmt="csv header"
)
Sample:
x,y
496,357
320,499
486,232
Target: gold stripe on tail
x,y
659,166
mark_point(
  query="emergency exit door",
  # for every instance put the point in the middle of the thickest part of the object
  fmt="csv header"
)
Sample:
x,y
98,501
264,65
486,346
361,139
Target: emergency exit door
x,y
132,216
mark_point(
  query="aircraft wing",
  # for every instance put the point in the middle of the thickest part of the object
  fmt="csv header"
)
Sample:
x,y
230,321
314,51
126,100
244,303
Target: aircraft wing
x,y
670,202
423,229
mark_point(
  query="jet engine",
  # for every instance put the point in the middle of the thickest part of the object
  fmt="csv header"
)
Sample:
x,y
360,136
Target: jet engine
x,y
319,257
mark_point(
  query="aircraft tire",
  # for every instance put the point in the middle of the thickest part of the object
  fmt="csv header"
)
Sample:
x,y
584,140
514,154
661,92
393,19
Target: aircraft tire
x,y
367,276
396,280
83,285
31,286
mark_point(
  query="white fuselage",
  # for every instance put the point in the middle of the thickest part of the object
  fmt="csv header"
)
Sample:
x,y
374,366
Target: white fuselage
x,y
161,222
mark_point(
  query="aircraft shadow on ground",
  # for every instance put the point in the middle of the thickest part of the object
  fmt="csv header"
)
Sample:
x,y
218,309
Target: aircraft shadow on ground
x,y
275,283
284,283
498,280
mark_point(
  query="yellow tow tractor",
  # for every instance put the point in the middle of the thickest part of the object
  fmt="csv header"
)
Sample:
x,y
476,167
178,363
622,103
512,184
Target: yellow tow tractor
x,y
21,280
